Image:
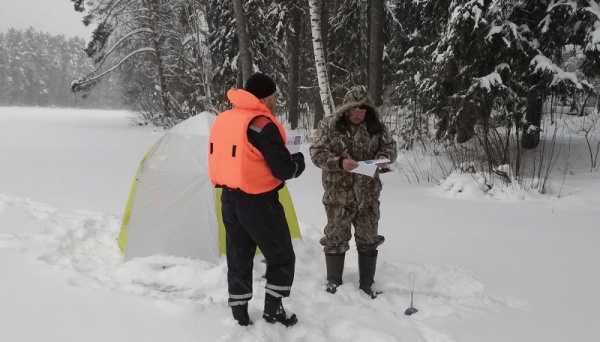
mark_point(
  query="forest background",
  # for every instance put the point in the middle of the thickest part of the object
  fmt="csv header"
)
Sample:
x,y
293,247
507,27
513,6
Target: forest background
x,y
441,71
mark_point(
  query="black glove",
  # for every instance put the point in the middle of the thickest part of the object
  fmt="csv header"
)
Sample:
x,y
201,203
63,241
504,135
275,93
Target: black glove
x,y
298,158
298,155
385,169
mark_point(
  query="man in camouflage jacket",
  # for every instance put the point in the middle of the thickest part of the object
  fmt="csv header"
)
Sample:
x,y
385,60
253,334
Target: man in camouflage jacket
x,y
354,133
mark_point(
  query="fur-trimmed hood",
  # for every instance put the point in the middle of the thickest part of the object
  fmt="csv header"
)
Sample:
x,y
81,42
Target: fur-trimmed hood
x,y
335,140
358,96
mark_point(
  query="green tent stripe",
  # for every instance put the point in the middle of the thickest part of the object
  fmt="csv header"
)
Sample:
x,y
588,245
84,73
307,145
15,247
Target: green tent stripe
x,y
122,239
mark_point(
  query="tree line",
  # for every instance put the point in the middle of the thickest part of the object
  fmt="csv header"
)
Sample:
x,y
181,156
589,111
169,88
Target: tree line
x,y
468,66
36,69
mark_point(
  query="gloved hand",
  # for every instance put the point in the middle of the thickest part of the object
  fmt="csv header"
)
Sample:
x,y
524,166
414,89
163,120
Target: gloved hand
x,y
298,158
298,155
385,169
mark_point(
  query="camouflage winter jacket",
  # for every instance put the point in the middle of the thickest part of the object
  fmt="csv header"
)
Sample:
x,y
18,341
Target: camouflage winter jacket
x,y
337,138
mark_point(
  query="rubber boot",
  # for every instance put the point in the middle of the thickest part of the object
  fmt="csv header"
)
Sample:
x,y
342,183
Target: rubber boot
x,y
367,264
335,269
240,313
274,312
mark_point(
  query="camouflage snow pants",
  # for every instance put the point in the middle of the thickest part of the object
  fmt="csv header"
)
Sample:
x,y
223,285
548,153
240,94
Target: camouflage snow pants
x,y
338,230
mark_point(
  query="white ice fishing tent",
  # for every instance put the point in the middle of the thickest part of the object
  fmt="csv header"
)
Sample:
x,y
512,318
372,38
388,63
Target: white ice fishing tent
x,y
172,207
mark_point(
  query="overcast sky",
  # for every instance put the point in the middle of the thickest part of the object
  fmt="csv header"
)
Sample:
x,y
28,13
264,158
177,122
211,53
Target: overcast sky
x,y
51,16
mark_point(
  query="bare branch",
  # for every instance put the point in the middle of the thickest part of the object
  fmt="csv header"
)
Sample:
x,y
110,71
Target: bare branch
x,y
79,83
132,33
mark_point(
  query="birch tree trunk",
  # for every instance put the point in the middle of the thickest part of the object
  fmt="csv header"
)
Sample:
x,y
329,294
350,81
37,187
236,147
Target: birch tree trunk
x,y
319,111
245,58
321,66
376,51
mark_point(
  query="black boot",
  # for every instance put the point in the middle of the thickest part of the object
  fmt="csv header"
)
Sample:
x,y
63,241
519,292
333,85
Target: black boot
x,y
240,313
274,312
367,263
335,269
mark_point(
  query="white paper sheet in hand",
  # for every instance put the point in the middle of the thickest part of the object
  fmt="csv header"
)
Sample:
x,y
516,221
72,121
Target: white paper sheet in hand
x,y
293,143
368,167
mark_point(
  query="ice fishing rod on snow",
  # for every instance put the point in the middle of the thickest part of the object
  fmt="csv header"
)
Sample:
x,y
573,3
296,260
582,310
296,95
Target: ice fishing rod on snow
x,y
411,310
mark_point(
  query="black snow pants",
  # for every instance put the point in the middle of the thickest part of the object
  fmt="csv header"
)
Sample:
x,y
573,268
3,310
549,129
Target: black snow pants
x,y
251,221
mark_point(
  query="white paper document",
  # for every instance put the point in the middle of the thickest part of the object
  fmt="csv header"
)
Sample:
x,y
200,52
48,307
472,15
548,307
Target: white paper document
x,y
368,167
293,143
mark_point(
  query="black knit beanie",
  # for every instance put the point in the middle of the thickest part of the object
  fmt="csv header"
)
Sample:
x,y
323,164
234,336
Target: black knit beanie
x,y
260,85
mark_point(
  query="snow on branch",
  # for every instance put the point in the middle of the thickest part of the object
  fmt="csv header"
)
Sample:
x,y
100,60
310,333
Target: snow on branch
x,y
130,34
76,85
496,29
542,64
593,8
471,10
487,82
594,39
593,35
569,3
505,29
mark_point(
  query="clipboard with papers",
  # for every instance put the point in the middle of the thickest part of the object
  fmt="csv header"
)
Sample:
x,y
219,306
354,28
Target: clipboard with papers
x,y
293,143
368,167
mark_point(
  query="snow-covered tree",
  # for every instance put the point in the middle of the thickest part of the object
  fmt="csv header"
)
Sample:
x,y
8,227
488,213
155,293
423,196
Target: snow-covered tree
x,y
158,48
413,29
503,57
36,69
349,46
320,61
376,46
245,54
293,34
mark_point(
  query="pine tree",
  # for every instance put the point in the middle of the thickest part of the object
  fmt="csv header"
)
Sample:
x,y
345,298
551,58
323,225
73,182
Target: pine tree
x,y
222,40
36,69
348,53
4,60
503,57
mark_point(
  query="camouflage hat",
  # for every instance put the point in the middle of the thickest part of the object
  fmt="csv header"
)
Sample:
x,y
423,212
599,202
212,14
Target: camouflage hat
x,y
357,95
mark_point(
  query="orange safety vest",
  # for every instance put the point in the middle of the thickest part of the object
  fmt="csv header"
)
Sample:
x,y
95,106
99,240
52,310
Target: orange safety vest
x,y
232,160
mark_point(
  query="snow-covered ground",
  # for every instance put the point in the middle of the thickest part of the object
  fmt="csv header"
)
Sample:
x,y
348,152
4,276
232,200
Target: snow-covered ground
x,y
487,268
